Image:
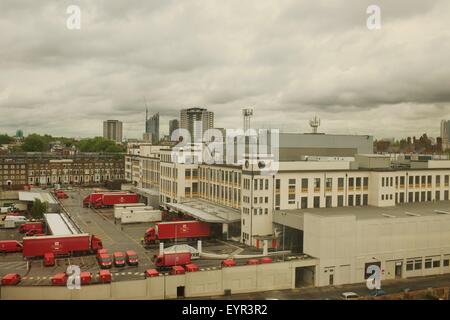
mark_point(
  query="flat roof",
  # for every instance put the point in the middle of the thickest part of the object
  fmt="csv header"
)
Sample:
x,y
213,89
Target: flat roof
x,y
32,195
207,211
60,224
407,210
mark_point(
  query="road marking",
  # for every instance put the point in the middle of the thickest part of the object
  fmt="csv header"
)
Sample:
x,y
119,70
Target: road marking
x,y
136,273
31,278
123,273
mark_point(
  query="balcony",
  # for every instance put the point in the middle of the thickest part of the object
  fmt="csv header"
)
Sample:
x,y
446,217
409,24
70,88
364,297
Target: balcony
x,y
327,189
304,190
316,189
340,189
365,188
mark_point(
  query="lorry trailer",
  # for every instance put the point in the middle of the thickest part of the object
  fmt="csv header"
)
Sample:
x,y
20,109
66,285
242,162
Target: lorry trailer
x,y
177,230
168,260
139,216
74,244
101,200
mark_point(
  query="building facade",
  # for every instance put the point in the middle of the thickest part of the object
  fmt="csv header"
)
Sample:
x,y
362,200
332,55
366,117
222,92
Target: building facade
x,y
196,121
152,128
445,134
174,124
112,130
46,169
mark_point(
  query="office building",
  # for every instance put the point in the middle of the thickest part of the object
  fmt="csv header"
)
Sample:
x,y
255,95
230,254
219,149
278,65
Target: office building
x,y
445,134
173,125
152,127
196,121
112,130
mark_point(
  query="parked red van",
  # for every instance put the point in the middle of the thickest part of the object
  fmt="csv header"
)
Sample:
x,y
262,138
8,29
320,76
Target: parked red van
x,y
104,261
228,263
60,279
119,259
177,270
191,267
131,258
151,273
11,279
85,277
105,276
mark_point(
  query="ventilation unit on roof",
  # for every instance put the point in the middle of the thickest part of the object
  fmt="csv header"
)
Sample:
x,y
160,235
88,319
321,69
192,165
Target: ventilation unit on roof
x,y
387,215
412,214
441,212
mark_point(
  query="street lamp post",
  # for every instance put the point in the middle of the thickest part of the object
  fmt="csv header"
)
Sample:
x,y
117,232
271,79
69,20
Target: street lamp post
x,y
284,230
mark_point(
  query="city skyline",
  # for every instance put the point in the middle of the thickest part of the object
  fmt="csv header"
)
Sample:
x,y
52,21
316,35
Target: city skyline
x,y
289,58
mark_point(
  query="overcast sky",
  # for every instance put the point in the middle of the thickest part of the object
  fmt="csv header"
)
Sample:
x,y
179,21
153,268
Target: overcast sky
x,y
288,59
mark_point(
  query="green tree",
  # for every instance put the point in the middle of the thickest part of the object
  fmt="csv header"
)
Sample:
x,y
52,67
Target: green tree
x,y
38,209
5,139
99,144
35,143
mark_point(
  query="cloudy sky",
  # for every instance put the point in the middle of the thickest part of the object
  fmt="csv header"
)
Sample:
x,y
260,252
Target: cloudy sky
x,y
288,59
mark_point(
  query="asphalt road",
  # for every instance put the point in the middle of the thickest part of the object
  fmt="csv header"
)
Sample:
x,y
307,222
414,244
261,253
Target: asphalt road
x,y
334,292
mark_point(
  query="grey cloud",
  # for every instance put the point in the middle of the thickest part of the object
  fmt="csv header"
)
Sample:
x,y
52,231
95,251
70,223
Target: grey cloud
x,y
288,59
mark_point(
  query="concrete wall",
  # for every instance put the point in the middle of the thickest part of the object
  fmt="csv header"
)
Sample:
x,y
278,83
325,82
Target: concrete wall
x,y
241,279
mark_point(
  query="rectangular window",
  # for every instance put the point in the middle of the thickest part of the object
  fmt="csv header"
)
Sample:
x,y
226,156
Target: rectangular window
x,y
340,184
304,184
365,200
350,200
351,182
409,265
436,264
418,264
340,201
328,201
428,263
316,202
304,202
358,200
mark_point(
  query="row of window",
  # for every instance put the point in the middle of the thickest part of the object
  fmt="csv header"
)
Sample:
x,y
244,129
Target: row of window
x,y
414,180
352,200
413,264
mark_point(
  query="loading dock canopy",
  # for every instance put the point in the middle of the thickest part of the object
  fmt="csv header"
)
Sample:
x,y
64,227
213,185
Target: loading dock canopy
x,y
60,225
31,196
206,211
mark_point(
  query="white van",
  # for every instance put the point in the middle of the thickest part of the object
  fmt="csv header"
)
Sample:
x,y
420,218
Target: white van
x,y
15,218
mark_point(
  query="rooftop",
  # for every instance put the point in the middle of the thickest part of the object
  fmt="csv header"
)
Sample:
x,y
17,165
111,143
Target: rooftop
x,y
409,210
207,211
31,196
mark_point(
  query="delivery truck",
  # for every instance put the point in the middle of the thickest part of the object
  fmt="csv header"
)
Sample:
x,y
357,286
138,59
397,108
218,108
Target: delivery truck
x,y
141,216
168,260
90,199
74,244
101,200
168,231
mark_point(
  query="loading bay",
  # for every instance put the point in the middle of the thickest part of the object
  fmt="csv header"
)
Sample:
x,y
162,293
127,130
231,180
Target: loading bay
x,y
115,237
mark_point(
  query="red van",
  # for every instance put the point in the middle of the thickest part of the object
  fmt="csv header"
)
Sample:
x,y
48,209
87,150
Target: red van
x,y
59,279
7,246
228,263
192,267
177,270
253,261
85,277
151,273
11,279
105,276
131,258
119,259
265,260
104,261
